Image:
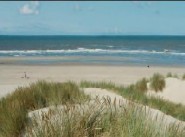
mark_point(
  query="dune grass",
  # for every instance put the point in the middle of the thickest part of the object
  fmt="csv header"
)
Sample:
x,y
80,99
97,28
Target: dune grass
x,y
175,76
101,120
141,85
14,107
169,74
183,77
132,93
157,82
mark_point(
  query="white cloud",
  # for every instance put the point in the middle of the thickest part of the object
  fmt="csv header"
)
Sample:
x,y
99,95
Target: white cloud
x,y
26,9
143,4
30,8
36,3
77,7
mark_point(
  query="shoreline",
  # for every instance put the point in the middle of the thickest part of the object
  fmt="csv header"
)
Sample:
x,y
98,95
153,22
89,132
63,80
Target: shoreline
x,y
92,65
60,61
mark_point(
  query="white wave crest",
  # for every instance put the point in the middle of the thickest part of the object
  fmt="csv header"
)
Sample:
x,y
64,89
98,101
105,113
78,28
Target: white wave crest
x,y
84,50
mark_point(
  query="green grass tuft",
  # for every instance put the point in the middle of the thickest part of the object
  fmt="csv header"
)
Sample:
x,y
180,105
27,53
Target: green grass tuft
x,y
175,76
141,85
183,77
157,82
169,74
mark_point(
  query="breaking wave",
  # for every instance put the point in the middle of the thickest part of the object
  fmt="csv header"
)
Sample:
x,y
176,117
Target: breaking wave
x,y
81,51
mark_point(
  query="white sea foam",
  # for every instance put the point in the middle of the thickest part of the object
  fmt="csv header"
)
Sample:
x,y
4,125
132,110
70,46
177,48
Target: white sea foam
x,y
110,46
84,50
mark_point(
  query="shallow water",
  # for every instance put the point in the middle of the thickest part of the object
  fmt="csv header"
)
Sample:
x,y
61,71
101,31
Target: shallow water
x,y
119,50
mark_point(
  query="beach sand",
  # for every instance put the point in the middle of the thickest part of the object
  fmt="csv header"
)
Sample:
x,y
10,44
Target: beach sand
x,y
173,91
10,75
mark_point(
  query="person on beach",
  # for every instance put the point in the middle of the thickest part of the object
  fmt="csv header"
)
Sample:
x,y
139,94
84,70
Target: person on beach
x,y
25,76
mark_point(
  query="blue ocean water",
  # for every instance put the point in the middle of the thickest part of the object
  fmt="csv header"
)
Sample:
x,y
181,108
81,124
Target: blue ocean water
x,y
120,50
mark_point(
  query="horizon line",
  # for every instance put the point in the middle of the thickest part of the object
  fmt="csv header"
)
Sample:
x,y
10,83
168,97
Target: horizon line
x,y
86,35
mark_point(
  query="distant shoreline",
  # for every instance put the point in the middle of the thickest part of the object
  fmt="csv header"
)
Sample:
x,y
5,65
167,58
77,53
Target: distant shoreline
x,y
97,35
66,61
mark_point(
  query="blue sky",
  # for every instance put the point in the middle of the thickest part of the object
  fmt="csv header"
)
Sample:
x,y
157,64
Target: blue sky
x,y
92,18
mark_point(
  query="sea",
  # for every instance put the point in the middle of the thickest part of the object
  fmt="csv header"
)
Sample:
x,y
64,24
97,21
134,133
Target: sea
x,y
105,50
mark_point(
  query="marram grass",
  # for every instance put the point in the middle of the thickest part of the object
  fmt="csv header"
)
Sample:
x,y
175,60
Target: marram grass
x,y
183,77
169,74
157,82
132,93
14,107
141,85
101,120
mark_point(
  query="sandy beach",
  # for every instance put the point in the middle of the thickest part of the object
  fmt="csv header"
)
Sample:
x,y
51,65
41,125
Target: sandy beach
x,y
173,91
11,75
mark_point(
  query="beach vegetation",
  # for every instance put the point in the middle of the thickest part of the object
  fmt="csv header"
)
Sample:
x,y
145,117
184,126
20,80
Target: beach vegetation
x,y
183,77
101,120
131,93
77,116
14,107
175,76
169,74
157,82
141,85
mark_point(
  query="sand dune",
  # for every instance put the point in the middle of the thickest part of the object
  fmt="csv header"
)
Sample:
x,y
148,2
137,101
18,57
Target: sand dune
x,y
153,114
174,91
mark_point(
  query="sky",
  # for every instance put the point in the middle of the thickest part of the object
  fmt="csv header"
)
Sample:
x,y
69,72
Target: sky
x,y
92,18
